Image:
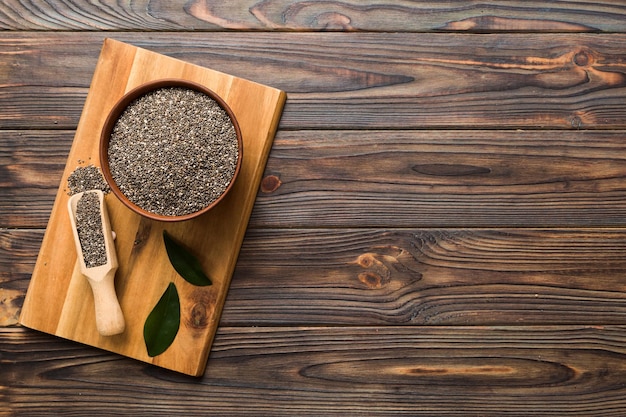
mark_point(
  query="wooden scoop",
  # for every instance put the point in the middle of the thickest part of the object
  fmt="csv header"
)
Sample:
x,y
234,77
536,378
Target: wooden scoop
x,y
109,317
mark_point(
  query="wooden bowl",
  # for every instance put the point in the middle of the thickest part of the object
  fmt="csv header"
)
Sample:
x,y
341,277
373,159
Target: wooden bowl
x,y
117,111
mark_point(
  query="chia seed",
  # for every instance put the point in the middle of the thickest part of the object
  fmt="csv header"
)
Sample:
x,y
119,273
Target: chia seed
x,y
85,179
89,228
173,151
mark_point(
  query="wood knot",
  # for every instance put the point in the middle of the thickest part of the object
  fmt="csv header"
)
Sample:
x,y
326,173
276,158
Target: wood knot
x,y
270,184
366,260
583,59
450,170
199,311
142,235
390,265
198,315
333,21
377,274
371,279
576,122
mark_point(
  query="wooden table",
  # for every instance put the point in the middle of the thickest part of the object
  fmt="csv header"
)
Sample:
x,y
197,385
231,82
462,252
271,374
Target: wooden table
x,y
440,227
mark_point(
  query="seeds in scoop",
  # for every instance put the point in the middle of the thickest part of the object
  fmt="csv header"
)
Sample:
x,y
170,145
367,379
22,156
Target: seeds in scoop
x,y
89,228
173,151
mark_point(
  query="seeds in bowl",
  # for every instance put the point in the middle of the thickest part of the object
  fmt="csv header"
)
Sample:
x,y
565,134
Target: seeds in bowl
x,y
173,151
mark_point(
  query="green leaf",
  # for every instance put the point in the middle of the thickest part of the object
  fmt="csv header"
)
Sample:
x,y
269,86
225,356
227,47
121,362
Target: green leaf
x,y
184,262
163,322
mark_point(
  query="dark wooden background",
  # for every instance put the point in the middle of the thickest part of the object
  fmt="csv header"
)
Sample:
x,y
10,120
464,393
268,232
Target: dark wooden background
x,y
440,229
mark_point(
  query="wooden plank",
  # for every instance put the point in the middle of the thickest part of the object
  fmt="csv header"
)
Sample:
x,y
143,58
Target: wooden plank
x,y
32,107
300,15
18,252
374,371
443,179
31,166
394,81
379,178
401,276
59,299
438,277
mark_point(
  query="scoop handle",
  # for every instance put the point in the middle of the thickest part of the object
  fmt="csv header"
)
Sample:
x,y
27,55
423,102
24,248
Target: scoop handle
x,y
109,317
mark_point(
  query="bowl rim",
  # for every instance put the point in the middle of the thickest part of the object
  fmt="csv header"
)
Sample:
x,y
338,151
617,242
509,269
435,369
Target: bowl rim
x,y
116,112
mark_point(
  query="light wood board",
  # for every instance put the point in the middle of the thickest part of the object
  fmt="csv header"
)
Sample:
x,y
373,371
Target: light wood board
x,y
59,300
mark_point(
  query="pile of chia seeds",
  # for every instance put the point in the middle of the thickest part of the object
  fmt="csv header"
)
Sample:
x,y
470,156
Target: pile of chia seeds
x,y
173,151
86,178
89,228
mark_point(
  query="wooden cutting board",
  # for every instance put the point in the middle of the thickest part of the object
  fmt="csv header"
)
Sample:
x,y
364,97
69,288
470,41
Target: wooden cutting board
x,y
59,299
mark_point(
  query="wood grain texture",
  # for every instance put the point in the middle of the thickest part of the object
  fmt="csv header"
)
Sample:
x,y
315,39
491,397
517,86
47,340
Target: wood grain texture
x,y
301,15
376,178
443,179
377,371
395,81
31,166
402,276
439,230
450,277
18,252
